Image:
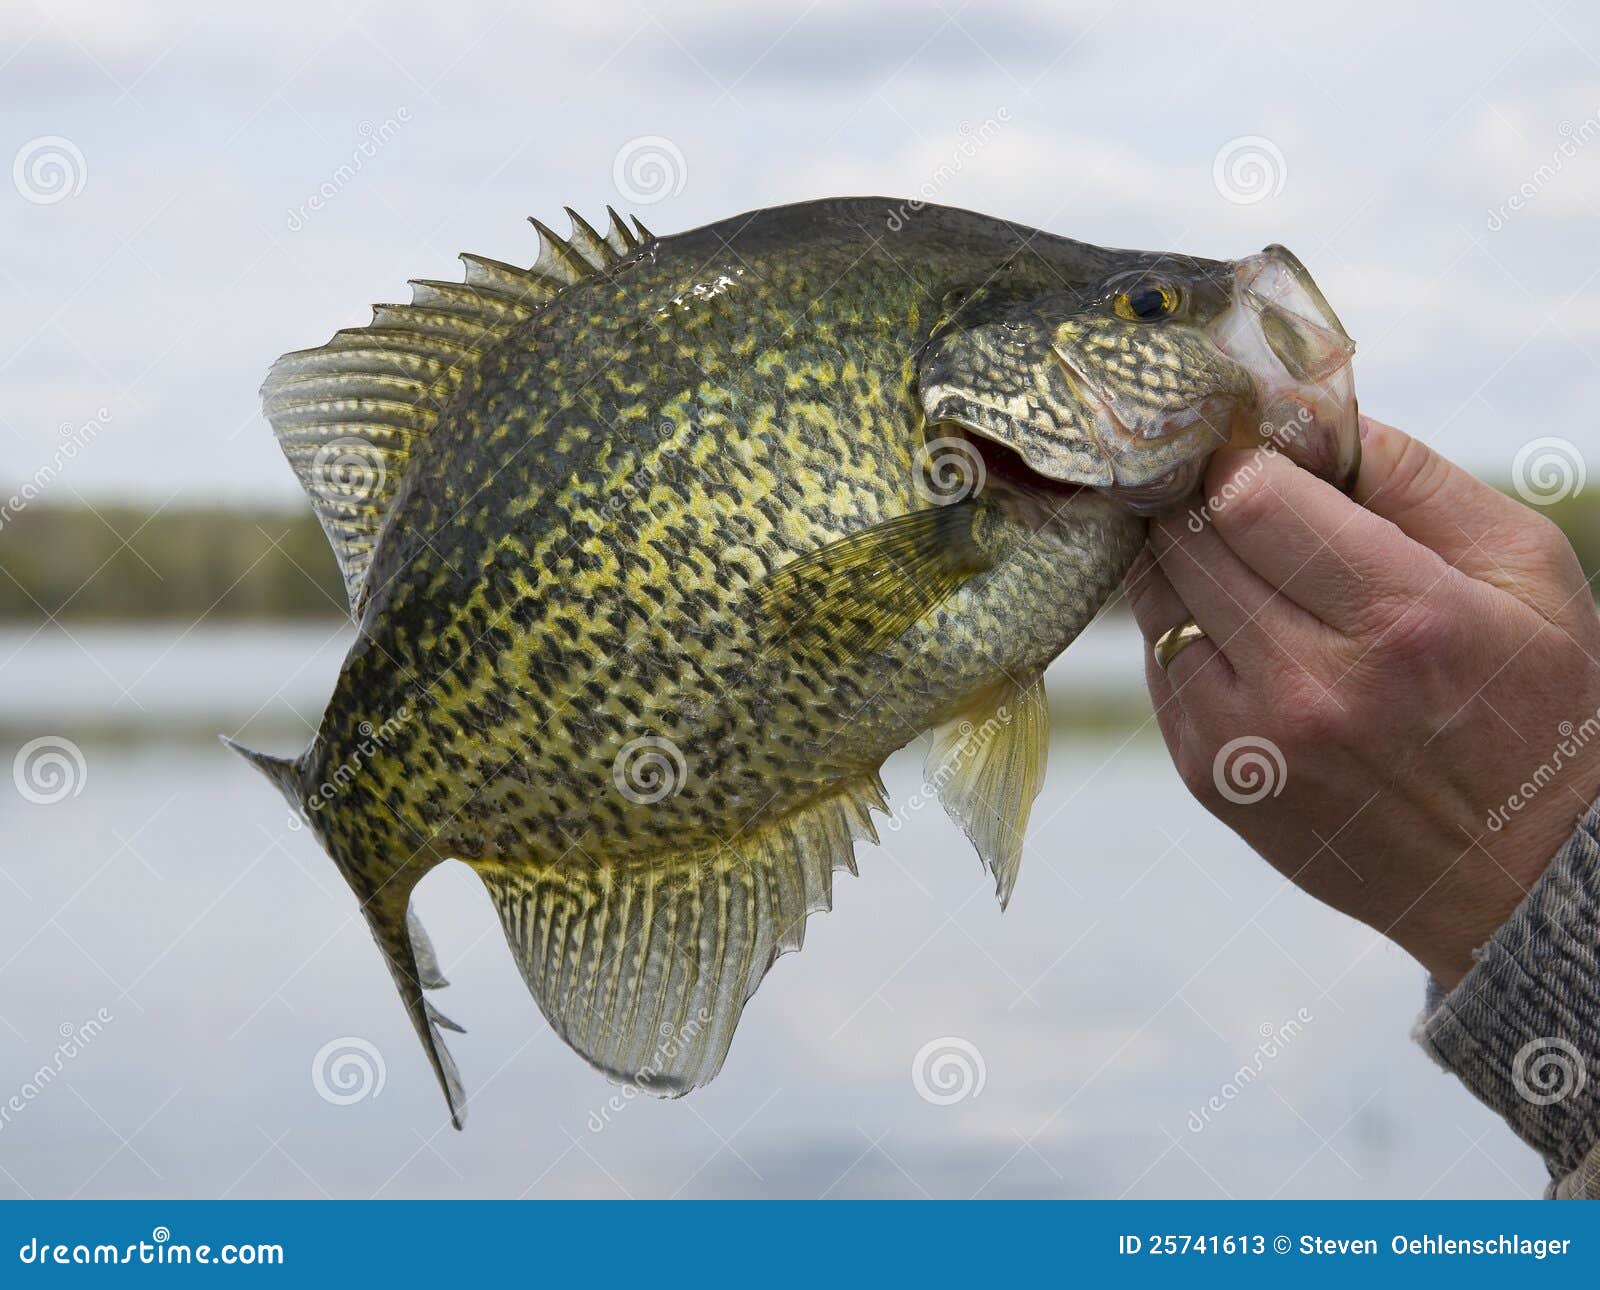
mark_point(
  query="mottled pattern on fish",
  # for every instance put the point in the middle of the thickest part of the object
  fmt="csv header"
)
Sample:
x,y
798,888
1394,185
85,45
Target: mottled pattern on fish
x,y
572,564
576,571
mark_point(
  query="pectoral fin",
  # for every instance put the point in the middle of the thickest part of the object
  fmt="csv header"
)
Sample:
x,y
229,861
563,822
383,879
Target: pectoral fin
x,y
857,594
988,766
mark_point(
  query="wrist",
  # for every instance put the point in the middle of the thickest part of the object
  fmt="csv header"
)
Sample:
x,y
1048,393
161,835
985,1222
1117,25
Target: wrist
x,y
1479,889
1517,1028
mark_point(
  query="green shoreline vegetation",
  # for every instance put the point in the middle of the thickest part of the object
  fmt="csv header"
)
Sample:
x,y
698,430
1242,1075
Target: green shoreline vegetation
x,y
122,563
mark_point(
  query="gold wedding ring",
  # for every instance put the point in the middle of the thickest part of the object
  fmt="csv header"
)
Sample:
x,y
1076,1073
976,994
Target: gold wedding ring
x,y
1174,641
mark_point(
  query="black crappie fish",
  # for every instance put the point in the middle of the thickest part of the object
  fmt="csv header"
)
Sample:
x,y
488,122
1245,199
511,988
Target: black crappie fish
x,y
660,547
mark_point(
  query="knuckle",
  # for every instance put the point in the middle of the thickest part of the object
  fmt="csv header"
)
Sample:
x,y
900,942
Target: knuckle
x,y
1546,539
1310,714
1245,504
1415,636
1417,476
1198,777
1407,603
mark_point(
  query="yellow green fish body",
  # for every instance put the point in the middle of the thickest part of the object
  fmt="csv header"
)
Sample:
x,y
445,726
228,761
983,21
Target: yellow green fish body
x,y
660,548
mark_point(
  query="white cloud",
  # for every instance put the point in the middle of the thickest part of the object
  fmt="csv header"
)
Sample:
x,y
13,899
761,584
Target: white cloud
x,y
171,282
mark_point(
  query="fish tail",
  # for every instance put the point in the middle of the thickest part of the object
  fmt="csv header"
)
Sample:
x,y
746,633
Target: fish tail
x,y
399,933
412,963
282,771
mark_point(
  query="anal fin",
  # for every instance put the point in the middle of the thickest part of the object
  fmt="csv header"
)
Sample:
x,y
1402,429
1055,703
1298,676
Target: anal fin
x,y
645,968
989,765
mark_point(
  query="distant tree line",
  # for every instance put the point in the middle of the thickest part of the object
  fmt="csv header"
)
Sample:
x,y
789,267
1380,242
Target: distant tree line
x,y
123,562
118,562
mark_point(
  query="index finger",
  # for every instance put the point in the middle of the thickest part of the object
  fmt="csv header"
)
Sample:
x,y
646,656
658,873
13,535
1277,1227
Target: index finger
x,y
1324,552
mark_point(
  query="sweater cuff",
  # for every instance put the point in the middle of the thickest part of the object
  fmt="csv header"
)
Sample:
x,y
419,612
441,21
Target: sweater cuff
x,y
1521,1030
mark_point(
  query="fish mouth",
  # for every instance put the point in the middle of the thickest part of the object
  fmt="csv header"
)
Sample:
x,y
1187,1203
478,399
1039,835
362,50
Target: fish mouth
x,y
1278,378
1004,467
1282,330
1178,443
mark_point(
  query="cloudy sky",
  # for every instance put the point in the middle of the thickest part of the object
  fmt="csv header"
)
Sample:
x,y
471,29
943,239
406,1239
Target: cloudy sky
x,y
159,246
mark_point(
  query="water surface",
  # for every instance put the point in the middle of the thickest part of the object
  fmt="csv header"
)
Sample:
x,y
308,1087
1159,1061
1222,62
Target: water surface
x,y
1146,958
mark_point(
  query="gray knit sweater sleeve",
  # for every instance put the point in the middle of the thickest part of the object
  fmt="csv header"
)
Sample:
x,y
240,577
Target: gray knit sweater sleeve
x,y
1522,1030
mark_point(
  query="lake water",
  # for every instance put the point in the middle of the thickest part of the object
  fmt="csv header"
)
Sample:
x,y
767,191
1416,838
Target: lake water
x,y
1146,959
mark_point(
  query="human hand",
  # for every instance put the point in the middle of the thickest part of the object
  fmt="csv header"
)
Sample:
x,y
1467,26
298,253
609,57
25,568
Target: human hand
x,y
1405,666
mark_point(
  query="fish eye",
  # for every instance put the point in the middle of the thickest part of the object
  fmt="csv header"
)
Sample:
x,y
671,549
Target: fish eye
x,y
1146,302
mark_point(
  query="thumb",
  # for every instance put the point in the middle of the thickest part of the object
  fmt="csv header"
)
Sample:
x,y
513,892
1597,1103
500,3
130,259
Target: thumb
x,y
1482,532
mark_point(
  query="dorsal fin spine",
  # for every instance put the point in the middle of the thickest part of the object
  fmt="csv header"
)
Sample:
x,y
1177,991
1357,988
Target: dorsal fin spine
x,y
365,399
618,234
558,256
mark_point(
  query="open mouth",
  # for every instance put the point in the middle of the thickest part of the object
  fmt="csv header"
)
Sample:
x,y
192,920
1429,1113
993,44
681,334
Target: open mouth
x,y
1283,330
1267,366
1005,467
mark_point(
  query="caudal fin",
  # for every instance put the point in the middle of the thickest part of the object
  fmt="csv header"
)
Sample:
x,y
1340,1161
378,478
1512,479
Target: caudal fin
x,y
282,771
415,968
406,949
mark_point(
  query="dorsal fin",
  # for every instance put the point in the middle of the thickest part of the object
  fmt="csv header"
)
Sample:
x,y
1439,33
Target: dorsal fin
x,y
350,414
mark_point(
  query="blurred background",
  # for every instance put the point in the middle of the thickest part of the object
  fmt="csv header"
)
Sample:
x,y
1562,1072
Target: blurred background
x,y
189,1005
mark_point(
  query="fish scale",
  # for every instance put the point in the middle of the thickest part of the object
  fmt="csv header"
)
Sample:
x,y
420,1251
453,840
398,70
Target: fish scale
x,y
667,500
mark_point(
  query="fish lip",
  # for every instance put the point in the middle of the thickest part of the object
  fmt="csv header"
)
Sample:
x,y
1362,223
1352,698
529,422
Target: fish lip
x,y
1326,317
1097,402
1110,429
1275,287
1007,469
1294,296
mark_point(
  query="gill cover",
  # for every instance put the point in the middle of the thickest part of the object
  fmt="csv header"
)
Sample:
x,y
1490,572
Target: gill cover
x,y
1000,378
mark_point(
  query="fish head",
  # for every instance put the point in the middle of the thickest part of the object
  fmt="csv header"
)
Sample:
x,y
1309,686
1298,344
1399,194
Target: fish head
x,y
1131,383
